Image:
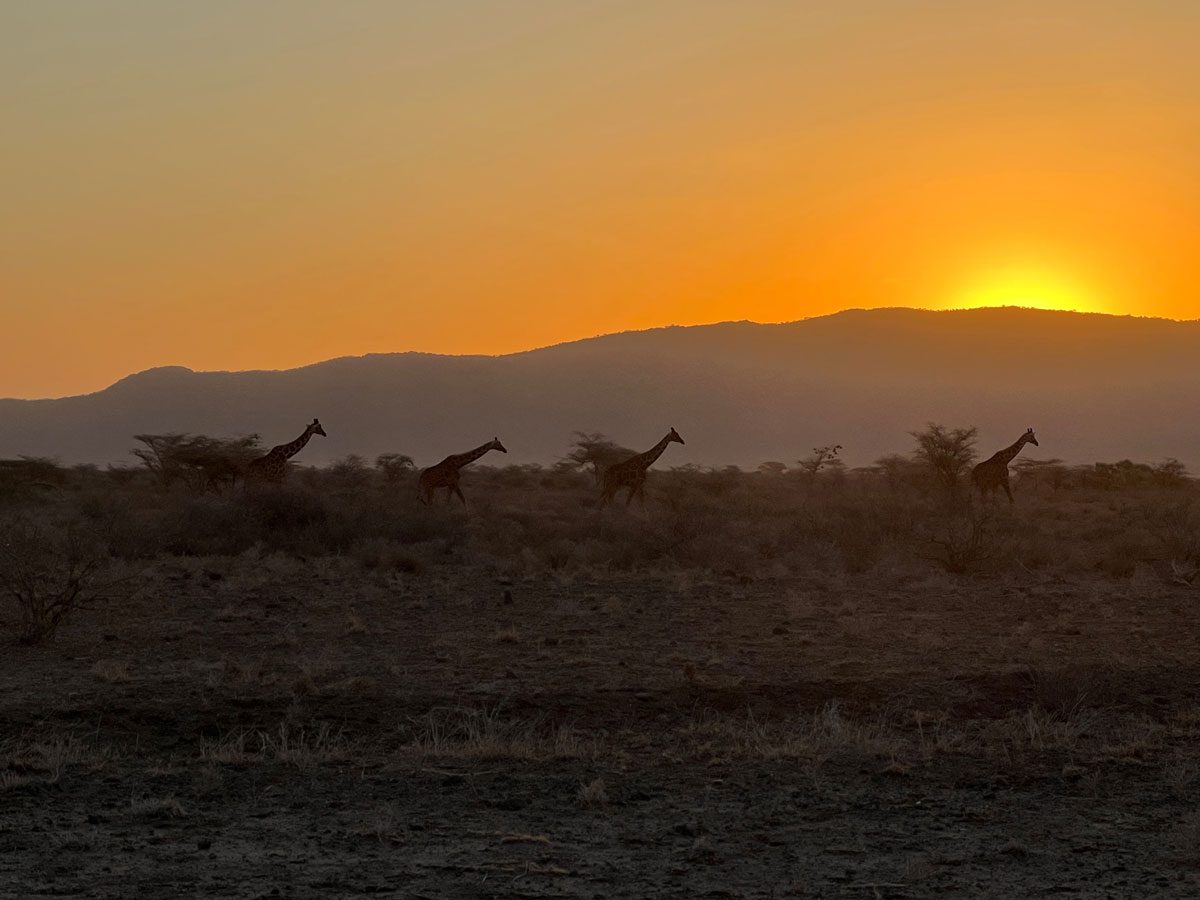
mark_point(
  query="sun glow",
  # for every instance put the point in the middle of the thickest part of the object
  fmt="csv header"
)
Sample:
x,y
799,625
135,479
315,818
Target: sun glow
x,y
1029,288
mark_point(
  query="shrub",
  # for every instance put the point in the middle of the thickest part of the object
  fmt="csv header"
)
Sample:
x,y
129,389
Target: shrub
x,y
49,573
591,450
948,452
821,458
963,543
395,466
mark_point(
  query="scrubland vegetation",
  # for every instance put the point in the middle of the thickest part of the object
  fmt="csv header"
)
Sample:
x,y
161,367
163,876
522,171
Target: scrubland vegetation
x,y
760,678
902,516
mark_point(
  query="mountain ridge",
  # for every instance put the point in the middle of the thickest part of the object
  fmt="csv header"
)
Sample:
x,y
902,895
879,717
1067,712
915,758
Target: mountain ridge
x,y
659,329
1096,386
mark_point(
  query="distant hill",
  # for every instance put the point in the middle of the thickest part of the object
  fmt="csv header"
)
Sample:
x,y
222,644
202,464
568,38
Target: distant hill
x,y
1095,387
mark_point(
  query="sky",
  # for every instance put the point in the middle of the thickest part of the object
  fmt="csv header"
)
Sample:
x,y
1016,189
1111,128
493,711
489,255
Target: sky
x,y
233,185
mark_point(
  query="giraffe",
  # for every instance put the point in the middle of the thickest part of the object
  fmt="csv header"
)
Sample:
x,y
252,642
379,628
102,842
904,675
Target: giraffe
x,y
274,465
992,473
631,473
445,473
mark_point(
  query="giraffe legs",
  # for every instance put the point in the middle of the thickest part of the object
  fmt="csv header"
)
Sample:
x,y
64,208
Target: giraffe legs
x,y
608,491
989,490
458,493
637,489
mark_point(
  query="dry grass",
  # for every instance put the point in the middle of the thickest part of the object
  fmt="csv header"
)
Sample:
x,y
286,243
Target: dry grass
x,y
298,747
593,795
816,739
486,734
27,761
112,671
384,827
354,624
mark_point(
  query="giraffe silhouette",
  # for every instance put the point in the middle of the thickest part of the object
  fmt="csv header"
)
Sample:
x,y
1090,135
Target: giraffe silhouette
x,y
992,473
273,466
631,473
445,474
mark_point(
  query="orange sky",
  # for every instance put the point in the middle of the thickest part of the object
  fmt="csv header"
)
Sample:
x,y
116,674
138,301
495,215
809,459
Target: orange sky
x,y
260,185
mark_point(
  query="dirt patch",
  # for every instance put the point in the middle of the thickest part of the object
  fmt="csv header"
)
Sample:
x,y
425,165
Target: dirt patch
x,y
315,728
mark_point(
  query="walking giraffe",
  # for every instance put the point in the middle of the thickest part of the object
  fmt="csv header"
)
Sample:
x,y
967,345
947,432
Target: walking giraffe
x,y
445,473
992,473
273,466
631,473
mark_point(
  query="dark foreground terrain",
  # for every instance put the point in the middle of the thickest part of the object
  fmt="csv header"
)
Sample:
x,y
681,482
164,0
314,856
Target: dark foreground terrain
x,y
262,725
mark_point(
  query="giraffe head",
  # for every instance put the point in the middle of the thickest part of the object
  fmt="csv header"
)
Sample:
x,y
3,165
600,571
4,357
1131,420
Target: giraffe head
x,y
315,428
1030,438
674,436
496,445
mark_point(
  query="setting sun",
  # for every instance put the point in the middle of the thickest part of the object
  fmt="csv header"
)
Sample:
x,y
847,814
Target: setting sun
x,y
1030,288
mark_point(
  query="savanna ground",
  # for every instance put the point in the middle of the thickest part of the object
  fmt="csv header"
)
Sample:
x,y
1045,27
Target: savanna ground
x,y
763,684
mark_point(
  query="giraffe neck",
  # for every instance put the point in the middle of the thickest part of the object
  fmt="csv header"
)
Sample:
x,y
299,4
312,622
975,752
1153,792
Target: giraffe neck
x,y
1009,453
287,451
465,459
647,459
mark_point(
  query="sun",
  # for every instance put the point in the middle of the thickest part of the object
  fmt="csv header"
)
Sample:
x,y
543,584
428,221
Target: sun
x,y
1027,287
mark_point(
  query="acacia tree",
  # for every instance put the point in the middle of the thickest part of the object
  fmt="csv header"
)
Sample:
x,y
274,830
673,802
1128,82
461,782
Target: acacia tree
x,y
394,466
592,450
199,461
947,452
821,458
1171,473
